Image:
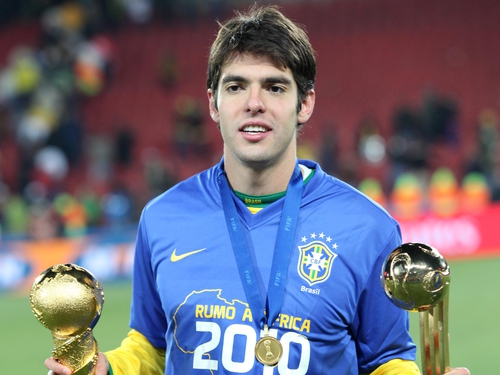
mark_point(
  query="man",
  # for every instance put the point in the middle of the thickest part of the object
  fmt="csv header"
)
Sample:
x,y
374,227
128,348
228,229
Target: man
x,y
262,264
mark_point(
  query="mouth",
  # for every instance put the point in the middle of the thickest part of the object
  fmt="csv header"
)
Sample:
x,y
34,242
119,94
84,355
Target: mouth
x,y
254,129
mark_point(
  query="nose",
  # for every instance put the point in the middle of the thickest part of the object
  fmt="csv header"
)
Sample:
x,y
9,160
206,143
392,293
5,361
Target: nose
x,y
255,103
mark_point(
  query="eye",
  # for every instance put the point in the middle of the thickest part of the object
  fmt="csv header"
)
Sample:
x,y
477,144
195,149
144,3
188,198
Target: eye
x,y
233,88
276,89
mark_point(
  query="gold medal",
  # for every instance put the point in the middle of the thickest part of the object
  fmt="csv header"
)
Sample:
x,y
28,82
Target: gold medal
x,y
268,350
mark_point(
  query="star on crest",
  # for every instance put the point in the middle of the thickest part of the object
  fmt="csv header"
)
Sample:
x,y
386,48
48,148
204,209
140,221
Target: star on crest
x,y
320,236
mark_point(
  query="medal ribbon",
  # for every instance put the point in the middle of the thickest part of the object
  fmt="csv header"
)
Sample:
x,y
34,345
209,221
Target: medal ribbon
x,y
282,249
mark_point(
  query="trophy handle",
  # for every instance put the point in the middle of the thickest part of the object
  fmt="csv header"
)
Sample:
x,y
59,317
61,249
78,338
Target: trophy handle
x,y
80,352
434,339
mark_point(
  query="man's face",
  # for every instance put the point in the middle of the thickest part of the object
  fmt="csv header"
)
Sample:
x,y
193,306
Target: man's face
x,y
257,111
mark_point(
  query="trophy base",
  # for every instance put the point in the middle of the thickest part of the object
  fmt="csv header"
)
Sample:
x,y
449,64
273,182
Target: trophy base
x,y
88,369
80,353
434,339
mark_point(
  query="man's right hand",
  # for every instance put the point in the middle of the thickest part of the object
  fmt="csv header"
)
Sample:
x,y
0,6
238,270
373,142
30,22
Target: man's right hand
x,y
56,368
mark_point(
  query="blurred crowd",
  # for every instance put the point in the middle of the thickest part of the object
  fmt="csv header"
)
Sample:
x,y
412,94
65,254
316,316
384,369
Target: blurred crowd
x,y
423,168
42,135
43,138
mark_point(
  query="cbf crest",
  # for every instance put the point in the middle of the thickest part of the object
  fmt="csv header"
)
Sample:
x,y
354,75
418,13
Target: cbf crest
x,y
315,260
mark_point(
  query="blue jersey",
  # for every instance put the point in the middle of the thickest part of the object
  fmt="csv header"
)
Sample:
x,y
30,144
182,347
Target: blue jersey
x,y
188,298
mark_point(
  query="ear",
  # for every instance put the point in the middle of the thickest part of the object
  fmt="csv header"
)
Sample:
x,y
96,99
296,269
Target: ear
x,y
307,107
212,107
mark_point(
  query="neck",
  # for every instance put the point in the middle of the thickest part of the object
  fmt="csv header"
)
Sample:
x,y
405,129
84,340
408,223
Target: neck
x,y
259,181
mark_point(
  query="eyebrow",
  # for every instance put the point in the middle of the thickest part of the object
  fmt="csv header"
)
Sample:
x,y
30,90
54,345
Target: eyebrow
x,y
273,79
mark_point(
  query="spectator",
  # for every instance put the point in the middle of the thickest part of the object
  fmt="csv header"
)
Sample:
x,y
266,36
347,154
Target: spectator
x,y
408,145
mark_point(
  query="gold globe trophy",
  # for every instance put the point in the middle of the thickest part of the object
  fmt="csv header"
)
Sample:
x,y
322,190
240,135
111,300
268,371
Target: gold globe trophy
x,y
416,277
68,300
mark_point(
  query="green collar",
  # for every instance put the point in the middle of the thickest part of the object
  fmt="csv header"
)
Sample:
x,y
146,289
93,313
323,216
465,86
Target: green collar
x,y
260,201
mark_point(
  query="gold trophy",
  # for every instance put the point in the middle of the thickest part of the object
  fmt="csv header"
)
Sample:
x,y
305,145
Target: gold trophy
x,y
416,277
68,300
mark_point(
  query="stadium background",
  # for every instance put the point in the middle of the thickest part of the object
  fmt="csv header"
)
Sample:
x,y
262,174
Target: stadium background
x,y
102,106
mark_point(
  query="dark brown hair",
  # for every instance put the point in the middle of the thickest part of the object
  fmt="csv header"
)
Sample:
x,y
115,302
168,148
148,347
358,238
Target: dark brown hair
x,y
264,31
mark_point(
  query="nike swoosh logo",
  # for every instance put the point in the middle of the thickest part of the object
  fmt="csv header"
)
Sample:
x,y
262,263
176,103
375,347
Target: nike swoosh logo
x,y
175,258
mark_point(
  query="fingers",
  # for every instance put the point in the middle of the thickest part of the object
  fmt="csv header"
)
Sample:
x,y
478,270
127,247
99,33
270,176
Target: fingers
x,y
459,371
56,368
102,367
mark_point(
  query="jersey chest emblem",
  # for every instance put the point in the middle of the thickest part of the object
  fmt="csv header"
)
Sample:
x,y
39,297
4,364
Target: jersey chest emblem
x,y
315,262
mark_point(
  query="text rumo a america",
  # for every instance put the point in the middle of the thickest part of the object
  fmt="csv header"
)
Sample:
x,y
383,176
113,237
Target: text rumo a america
x,y
229,312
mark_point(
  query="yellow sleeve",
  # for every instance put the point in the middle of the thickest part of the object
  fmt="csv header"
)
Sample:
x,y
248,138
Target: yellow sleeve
x,y
397,367
136,356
